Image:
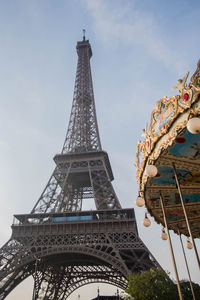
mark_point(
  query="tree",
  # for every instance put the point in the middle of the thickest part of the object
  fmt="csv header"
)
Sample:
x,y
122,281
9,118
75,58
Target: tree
x,y
186,291
151,285
155,284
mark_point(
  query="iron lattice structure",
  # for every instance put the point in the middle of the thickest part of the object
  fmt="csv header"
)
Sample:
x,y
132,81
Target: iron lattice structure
x,y
59,244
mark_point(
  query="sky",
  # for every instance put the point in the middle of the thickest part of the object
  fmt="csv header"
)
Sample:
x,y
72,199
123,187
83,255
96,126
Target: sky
x,y
140,49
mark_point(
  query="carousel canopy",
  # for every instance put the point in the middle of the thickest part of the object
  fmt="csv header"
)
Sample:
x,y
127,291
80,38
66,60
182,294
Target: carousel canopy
x,y
173,141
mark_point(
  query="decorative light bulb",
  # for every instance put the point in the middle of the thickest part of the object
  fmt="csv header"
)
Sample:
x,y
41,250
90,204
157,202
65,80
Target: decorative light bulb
x,y
151,171
146,221
189,244
164,235
193,125
140,201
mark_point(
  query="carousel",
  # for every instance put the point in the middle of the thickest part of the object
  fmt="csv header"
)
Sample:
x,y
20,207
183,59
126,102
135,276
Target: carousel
x,y
168,166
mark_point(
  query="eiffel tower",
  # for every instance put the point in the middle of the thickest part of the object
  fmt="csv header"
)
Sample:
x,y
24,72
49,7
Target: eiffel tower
x,y
59,244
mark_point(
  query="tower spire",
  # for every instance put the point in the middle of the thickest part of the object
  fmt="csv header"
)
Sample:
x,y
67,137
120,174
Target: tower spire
x,y
83,132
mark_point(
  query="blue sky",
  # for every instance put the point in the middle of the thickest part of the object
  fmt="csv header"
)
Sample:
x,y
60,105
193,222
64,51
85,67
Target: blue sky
x,y
140,49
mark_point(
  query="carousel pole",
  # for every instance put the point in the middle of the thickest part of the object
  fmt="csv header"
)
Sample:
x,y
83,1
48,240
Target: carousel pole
x,y
171,248
186,263
185,213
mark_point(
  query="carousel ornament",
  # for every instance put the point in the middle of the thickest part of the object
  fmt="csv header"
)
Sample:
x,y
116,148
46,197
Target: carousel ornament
x,y
146,221
140,201
164,235
189,244
181,83
186,97
151,171
196,77
144,133
193,125
147,140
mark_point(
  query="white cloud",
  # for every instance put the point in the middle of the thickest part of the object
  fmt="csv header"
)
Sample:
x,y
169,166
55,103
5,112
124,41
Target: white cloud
x,y
123,21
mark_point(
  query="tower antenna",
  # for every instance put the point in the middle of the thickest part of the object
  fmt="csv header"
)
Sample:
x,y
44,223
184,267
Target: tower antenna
x,y
84,34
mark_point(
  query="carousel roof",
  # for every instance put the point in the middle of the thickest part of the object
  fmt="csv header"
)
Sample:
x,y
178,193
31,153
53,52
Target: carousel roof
x,y
169,142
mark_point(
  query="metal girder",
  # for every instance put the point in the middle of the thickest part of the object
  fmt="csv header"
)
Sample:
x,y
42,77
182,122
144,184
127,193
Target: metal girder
x,y
72,182
58,282
83,133
69,260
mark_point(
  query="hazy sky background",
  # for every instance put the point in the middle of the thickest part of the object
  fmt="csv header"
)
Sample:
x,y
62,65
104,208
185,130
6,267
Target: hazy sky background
x,y
140,49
